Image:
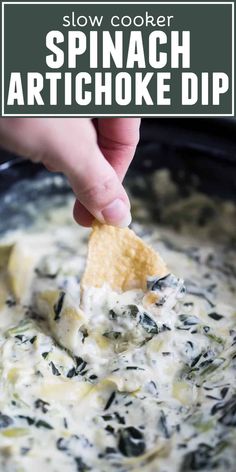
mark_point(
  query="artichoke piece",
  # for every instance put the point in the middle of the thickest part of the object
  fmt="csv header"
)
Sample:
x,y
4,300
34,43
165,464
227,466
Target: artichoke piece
x,y
4,291
15,432
58,389
20,269
64,317
5,251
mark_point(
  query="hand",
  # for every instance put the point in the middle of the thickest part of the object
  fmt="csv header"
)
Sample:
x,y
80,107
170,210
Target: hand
x,y
93,155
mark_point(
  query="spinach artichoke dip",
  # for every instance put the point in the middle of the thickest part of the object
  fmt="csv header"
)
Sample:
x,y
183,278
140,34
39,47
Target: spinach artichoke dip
x,y
132,369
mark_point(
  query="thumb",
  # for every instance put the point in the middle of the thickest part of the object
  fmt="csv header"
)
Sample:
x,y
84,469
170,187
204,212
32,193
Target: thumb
x,y
98,189
70,146
93,180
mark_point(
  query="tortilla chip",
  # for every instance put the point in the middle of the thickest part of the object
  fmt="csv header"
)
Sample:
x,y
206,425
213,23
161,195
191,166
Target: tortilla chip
x,y
120,258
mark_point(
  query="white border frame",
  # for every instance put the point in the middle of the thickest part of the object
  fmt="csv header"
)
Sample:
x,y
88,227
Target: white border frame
x,y
118,115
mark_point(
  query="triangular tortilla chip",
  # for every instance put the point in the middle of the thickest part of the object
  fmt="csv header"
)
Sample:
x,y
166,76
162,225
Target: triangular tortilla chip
x,y
120,258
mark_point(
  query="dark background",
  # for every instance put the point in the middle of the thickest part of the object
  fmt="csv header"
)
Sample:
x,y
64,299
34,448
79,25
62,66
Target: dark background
x,y
197,151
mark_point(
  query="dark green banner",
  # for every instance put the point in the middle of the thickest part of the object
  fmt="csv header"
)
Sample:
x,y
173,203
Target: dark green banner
x,y
117,59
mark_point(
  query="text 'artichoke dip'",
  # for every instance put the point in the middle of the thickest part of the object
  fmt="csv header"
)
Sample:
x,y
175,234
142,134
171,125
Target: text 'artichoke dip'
x,y
134,372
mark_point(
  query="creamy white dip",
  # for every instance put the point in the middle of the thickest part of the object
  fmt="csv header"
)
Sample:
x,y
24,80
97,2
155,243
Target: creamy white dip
x,y
127,384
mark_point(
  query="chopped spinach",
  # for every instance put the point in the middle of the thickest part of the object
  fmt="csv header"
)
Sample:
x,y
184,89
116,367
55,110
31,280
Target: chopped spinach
x,y
21,338
43,424
84,332
45,354
212,365
109,429
5,421
228,409
215,316
110,450
193,289
112,334
84,372
110,400
65,423
165,327
120,419
199,459
10,302
188,320
132,310
55,371
61,444
112,315
58,305
41,273
33,339
93,377
148,324
131,442
81,466
107,417
37,423
72,373
206,329
196,359
224,391
162,423
24,450
80,364
215,338
42,405
206,363
160,283
78,369
29,420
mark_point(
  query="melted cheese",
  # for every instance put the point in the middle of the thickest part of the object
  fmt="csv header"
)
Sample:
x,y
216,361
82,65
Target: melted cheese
x,y
137,381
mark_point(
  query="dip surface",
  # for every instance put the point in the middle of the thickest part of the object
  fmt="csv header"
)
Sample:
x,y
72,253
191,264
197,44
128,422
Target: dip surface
x,y
136,381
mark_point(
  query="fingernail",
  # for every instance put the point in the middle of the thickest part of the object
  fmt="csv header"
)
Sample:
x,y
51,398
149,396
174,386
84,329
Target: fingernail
x,y
117,213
